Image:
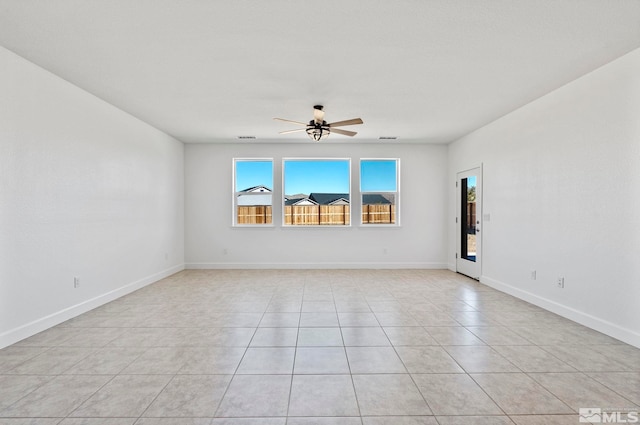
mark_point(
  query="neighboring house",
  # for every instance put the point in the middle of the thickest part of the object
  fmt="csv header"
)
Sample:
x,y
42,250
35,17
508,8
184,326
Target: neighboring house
x,y
262,195
299,202
298,199
256,189
256,195
296,196
330,198
375,199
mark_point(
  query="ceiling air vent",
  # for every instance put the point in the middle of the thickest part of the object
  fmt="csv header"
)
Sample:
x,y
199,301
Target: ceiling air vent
x,y
246,137
387,137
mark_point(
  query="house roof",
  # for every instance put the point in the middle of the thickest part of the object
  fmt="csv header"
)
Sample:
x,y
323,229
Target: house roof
x,y
333,198
256,189
372,199
299,201
328,198
296,196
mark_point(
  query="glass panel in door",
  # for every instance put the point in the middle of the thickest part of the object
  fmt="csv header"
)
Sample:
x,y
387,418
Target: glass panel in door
x,y
468,256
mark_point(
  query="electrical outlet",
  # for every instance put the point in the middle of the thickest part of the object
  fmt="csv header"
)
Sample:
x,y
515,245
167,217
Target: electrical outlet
x,y
560,282
76,282
534,275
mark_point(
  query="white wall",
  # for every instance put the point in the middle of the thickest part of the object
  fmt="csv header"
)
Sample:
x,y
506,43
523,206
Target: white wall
x,y
86,190
419,242
562,187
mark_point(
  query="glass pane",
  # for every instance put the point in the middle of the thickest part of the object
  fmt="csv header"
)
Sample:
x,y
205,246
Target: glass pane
x,y
250,174
254,198
378,175
468,221
316,192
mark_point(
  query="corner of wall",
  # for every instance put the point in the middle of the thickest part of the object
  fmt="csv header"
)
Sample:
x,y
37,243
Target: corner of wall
x,y
29,329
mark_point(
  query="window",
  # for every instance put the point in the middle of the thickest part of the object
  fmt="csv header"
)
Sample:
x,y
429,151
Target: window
x,y
316,192
252,193
379,191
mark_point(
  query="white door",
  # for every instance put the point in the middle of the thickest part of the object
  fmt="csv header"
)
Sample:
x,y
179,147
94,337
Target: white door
x,y
469,223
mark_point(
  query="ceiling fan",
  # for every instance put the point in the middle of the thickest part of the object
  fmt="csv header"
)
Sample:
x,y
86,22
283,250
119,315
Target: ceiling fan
x,y
318,129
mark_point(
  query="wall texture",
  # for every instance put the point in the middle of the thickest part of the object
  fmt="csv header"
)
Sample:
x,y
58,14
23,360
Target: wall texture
x,y
212,242
86,191
562,187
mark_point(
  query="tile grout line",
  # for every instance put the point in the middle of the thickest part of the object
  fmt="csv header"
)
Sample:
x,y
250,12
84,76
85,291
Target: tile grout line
x,y
235,372
241,289
344,348
295,354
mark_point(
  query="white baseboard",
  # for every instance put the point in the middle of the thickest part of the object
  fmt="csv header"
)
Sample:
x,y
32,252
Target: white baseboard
x,y
623,334
29,329
350,265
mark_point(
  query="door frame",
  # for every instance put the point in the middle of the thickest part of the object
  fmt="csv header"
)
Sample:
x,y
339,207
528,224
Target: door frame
x,y
473,269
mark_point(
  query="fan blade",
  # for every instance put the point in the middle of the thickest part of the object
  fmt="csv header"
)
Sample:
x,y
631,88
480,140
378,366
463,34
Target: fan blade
x,y
344,132
292,131
295,122
318,115
346,122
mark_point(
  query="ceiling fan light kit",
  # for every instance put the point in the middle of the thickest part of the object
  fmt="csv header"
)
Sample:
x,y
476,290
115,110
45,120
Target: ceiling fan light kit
x,y
316,133
318,129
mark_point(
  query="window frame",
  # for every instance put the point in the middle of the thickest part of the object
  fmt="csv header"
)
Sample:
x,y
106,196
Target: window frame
x,y
235,193
348,160
396,194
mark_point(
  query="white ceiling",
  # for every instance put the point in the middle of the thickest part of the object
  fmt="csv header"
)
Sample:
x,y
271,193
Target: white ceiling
x,y
426,71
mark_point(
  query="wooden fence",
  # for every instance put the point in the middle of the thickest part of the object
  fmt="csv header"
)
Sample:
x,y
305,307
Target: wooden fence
x,y
379,214
317,215
254,214
310,215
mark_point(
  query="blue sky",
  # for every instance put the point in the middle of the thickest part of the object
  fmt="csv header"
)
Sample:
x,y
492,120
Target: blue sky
x,y
320,176
378,176
254,173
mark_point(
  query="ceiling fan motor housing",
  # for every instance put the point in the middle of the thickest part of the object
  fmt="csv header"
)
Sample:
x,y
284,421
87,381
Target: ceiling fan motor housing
x,y
318,129
313,123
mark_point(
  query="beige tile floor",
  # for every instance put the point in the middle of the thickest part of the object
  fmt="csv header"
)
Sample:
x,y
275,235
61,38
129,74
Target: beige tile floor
x,y
307,347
